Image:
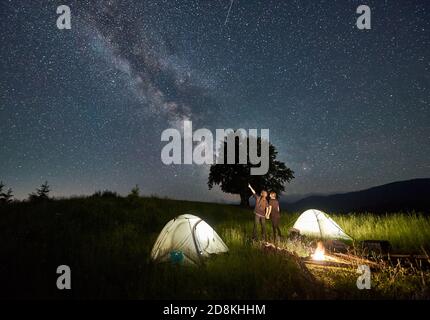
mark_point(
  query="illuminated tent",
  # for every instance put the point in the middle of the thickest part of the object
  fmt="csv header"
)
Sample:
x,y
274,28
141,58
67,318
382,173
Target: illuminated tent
x,y
187,239
315,223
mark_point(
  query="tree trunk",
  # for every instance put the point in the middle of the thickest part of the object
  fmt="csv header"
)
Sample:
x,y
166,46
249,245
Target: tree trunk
x,y
244,200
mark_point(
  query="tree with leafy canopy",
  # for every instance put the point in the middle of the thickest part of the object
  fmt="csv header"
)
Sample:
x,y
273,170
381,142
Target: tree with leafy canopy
x,y
234,178
41,193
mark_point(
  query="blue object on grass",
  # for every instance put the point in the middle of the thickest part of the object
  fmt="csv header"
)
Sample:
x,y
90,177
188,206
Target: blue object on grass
x,y
176,256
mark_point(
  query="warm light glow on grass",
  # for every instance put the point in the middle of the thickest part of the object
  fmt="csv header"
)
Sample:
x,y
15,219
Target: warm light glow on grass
x,y
319,253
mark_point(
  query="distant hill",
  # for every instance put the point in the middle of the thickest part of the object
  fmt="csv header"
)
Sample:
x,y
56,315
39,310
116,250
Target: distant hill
x,y
397,196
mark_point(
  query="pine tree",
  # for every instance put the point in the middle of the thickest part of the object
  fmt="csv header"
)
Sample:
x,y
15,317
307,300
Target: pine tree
x,y
42,193
135,192
5,197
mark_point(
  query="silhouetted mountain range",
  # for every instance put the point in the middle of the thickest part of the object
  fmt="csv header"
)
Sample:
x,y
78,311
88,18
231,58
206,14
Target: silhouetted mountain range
x,y
406,195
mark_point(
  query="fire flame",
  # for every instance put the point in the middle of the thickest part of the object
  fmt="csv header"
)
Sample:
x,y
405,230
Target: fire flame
x,y
319,253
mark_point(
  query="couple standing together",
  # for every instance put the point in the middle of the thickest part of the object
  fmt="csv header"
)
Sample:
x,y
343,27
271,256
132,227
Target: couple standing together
x,y
266,210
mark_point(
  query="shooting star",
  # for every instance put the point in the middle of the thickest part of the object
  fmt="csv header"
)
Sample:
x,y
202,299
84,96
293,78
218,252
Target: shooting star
x,y
228,13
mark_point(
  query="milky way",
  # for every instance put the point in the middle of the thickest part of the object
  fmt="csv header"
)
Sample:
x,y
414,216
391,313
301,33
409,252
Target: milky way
x,y
84,108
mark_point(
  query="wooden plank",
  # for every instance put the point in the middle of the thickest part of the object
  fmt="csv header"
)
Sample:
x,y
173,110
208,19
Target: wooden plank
x,y
355,258
408,256
327,264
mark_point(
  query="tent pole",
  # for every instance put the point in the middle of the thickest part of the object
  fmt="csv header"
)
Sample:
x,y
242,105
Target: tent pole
x,y
194,239
319,224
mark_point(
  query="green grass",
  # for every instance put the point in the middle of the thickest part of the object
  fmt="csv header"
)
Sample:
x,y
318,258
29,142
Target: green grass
x,y
107,241
406,232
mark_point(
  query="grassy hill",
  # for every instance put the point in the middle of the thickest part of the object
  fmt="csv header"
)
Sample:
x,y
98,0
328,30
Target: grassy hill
x,y
107,240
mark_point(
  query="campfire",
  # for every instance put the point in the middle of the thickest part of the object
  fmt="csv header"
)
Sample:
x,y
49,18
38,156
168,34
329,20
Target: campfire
x,y
319,254
324,257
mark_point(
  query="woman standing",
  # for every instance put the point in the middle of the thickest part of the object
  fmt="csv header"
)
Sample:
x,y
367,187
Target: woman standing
x,y
275,215
260,212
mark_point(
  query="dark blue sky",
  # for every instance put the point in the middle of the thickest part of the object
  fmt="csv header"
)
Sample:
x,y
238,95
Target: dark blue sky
x,y
84,108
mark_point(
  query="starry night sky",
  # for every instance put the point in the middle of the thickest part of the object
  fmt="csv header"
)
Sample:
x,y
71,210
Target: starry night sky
x,y
84,108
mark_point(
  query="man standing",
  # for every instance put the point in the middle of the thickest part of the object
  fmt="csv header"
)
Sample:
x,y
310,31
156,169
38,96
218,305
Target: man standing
x,y
273,212
260,212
